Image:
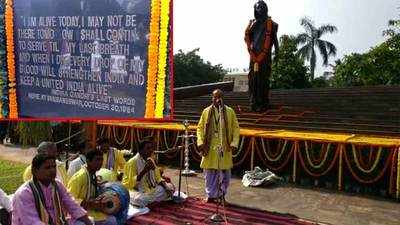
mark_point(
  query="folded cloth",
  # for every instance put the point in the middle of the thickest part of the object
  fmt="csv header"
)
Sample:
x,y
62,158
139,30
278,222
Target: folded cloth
x,y
259,177
134,211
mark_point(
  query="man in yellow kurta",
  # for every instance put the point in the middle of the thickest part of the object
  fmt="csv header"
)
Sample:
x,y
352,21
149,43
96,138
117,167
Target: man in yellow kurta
x,y
84,188
50,149
142,178
217,136
113,158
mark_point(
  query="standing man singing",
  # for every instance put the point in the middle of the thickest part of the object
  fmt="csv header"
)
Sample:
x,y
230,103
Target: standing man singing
x,y
217,136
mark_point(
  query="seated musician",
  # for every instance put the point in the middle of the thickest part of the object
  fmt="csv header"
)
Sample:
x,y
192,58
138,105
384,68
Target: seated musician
x,y
113,159
43,199
49,148
5,209
78,162
142,178
84,188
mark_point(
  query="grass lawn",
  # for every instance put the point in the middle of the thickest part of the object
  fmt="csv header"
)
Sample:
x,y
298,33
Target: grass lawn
x,y
11,175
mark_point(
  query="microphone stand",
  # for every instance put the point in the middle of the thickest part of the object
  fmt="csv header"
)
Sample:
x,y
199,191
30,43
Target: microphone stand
x,y
216,217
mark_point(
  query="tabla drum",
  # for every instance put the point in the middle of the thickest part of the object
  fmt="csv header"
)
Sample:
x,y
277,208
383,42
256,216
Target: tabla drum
x,y
116,198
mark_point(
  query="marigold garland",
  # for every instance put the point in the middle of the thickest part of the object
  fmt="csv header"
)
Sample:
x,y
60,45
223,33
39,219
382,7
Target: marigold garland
x,y
116,138
240,147
152,58
277,157
246,153
337,153
357,160
283,164
373,180
9,20
320,164
258,58
162,62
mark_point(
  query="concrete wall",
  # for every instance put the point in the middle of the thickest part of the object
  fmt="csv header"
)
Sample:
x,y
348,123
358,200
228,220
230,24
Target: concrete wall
x,y
240,81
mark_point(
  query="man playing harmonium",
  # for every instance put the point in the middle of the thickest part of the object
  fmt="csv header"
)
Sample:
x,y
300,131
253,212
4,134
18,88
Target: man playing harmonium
x,y
142,177
43,199
84,188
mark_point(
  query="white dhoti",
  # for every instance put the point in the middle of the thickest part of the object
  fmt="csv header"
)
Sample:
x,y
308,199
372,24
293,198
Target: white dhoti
x,y
142,199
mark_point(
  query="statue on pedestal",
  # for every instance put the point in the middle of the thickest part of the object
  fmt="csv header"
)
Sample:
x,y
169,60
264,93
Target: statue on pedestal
x,y
260,36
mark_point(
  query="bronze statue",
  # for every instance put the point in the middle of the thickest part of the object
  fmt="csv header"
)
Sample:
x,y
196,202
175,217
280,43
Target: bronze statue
x,y
260,36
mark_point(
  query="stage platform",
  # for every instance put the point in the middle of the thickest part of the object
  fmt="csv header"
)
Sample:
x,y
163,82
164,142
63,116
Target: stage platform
x,y
366,159
348,136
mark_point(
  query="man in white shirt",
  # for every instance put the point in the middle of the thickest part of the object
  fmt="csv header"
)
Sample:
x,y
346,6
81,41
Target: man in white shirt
x,y
77,163
5,209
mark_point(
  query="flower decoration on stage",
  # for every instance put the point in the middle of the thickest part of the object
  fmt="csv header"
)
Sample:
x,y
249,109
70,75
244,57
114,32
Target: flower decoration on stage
x,y
162,62
9,16
152,59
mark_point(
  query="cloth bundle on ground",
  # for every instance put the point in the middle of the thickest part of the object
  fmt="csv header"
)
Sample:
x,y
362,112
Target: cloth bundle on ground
x,y
258,177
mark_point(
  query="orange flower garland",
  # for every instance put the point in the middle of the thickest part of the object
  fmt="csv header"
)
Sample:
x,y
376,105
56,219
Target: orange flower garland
x,y
152,59
9,25
258,58
162,59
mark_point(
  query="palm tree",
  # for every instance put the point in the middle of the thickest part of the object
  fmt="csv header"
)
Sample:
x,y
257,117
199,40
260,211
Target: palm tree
x,y
311,39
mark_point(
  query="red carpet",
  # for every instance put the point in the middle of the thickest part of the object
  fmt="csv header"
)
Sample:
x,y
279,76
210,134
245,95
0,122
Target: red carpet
x,y
195,212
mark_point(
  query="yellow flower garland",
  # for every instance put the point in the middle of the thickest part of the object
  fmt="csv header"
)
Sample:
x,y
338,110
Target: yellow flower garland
x,y
152,58
157,58
9,25
376,162
322,163
162,62
280,154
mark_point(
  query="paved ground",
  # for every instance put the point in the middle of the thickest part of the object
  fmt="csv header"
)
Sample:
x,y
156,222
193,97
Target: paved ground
x,y
312,204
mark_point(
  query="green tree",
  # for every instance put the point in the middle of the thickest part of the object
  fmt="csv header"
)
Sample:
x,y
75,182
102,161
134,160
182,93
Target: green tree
x,y
311,38
191,69
393,29
379,66
288,70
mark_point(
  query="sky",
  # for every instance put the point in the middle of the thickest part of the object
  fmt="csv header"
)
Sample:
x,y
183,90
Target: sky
x,y
217,26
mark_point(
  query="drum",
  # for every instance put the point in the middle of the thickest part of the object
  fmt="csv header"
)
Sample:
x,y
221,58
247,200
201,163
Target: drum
x,y
116,198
